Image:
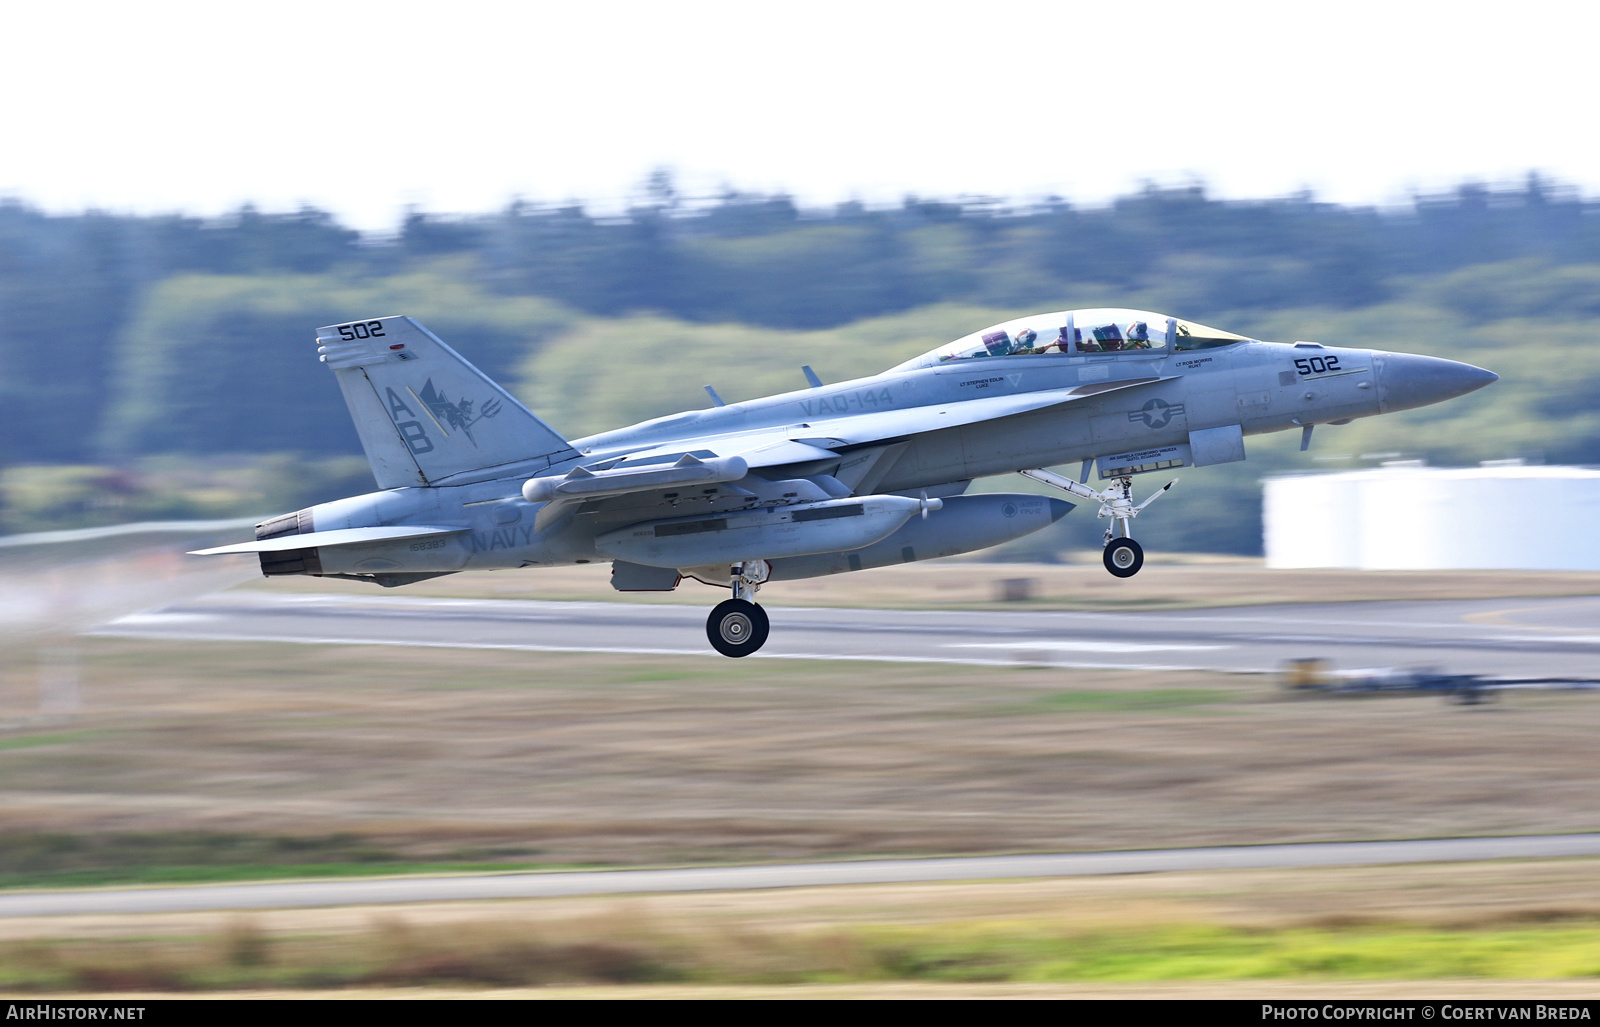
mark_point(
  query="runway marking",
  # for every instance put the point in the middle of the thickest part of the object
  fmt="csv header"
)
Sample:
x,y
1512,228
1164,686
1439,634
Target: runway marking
x,y
1023,650
1051,645
528,608
1500,619
1496,618
556,884
1318,622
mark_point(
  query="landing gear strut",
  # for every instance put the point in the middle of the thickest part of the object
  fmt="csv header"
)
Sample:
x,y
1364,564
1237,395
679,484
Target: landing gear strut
x,y
738,627
1122,556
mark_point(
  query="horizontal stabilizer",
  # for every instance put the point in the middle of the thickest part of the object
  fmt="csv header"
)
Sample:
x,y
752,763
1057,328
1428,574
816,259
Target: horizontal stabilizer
x,y
336,537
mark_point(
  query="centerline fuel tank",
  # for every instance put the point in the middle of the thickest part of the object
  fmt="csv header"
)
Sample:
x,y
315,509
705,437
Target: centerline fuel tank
x,y
965,524
765,533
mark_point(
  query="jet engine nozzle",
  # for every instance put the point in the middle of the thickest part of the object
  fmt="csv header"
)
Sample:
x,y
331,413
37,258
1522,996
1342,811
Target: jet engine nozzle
x,y
1407,380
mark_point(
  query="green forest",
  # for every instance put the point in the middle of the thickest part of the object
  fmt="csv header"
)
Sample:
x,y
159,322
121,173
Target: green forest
x,y
162,367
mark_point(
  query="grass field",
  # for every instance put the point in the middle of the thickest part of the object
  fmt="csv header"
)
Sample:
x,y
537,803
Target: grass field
x,y
242,757
1476,926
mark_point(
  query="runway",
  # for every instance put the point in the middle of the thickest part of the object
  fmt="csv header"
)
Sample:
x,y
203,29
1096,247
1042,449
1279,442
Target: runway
x,y
1513,637
479,887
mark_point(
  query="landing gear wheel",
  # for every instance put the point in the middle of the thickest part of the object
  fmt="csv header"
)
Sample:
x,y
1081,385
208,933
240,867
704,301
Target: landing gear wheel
x,y
1123,557
737,628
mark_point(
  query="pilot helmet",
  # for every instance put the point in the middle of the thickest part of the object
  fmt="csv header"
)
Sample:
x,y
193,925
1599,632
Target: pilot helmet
x,y
1026,337
1139,331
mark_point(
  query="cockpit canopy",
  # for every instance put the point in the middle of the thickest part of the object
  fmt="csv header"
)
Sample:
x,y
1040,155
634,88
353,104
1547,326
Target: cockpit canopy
x,y
1074,333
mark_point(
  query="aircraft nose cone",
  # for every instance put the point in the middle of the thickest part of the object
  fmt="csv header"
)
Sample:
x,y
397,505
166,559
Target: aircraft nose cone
x,y
1407,380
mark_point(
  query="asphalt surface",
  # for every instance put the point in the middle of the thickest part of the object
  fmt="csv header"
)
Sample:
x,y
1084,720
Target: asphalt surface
x,y
1512,637
386,891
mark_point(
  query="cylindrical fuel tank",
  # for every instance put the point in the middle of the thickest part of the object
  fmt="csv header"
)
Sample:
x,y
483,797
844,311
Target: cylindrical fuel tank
x,y
964,524
766,533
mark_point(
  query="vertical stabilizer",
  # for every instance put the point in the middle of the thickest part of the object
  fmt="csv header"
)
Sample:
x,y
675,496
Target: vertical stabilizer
x,y
425,415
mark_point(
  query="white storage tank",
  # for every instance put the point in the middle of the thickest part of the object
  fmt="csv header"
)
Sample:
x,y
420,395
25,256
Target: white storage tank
x,y
1409,517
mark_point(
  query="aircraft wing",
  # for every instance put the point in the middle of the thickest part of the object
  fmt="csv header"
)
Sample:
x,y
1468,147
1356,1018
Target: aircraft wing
x,y
336,537
818,438
856,429
692,457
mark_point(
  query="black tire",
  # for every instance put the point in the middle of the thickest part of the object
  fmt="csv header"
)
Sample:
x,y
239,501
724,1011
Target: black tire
x,y
737,628
1123,557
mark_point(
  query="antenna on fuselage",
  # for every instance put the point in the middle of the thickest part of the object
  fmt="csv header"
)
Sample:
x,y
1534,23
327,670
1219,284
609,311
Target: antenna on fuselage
x,y
716,399
811,376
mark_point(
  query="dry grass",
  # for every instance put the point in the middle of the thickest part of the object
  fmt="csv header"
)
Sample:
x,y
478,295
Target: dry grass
x,y
1173,583
1201,934
562,758
1444,896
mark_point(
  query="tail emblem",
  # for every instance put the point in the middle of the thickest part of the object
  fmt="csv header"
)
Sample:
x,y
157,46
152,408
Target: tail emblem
x,y
445,415
456,415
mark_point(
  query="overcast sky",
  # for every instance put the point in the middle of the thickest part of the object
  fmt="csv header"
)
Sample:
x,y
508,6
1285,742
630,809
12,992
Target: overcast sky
x,y
363,108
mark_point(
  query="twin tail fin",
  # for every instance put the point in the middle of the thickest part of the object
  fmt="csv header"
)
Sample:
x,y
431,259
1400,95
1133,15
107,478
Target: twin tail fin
x,y
425,415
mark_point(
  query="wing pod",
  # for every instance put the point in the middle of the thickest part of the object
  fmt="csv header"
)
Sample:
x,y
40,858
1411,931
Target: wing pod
x,y
581,483
764,533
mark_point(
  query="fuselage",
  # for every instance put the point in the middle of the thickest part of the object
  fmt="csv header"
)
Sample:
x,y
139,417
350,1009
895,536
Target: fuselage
x,y
1253,384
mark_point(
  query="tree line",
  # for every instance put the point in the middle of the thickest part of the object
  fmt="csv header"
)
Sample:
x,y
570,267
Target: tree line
x,y
123,336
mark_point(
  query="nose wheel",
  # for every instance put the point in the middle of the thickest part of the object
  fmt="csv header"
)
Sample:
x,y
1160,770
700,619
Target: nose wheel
x,y
737,627
1123,557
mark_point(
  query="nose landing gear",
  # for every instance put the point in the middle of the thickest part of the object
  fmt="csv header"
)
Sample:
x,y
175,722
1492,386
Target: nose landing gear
x,y
738,626
1122,556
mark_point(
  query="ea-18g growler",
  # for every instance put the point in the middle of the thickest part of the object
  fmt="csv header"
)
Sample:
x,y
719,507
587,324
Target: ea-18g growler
x,y
823,480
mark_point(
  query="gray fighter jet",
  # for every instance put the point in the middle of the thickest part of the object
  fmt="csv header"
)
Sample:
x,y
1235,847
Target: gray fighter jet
x,y
827,479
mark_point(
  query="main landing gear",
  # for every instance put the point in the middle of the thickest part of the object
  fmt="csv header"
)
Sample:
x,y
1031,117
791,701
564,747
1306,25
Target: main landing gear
x,y
1122,555
738,626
